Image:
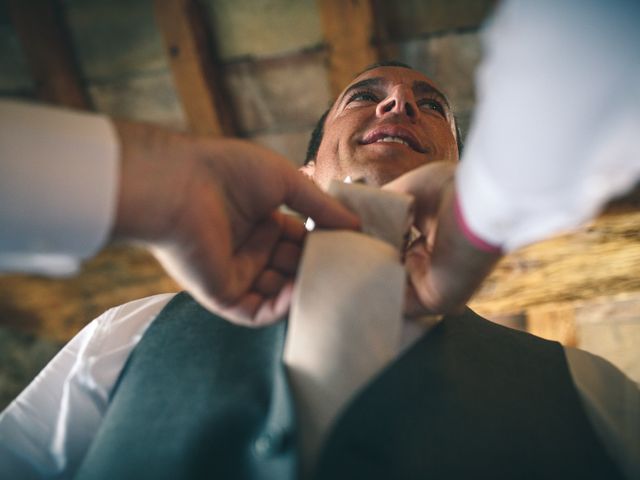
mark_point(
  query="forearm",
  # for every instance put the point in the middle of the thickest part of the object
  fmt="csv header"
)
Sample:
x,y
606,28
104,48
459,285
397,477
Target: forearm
x,y
156,165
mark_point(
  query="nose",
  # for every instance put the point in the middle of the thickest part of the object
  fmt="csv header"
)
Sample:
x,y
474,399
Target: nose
x,y
400,101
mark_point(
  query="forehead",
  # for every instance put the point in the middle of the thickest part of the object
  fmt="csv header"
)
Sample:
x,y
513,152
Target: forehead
x,y
394,76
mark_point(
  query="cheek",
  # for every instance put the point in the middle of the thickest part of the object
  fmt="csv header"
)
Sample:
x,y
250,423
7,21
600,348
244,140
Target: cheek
x,y
446,147
327,163
337,147
334,138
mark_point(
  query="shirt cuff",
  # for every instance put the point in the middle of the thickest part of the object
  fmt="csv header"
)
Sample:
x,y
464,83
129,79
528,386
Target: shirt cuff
x,y
471,237
58,186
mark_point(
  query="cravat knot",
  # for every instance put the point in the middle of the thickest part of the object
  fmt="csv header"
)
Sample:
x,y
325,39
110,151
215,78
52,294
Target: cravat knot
x,y
345,320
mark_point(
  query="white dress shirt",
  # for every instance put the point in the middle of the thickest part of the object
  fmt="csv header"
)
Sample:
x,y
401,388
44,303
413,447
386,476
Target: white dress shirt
x,y
46,431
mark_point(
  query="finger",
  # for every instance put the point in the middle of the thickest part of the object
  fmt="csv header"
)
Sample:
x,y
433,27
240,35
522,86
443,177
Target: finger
x,y
254,310
251,258
286,258
269,283
292,228
417,264
275,308
423,300
412,305
423,181
199,260
243,311
303,196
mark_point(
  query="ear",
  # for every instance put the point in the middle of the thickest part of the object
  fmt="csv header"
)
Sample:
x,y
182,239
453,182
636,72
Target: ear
x,y
309,169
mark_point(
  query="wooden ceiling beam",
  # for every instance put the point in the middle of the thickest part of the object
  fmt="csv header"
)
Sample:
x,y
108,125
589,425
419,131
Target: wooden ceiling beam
x,y
192,60
43,35
349,31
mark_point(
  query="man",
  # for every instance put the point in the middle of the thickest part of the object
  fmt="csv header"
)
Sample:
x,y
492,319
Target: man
x,y
352,141
202,397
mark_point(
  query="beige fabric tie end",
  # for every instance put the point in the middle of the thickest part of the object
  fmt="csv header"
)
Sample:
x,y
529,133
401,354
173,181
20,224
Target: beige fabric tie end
x,y
345,320
384,215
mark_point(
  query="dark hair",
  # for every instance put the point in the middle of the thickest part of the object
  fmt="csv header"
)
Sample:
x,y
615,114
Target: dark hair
x,y
459,142
318,130
316,138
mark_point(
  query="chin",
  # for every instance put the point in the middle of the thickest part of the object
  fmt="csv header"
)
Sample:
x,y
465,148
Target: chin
x,y
381,176
376,178
380,171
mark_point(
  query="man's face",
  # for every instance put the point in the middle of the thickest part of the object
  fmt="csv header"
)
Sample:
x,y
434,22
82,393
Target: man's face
x,y
388,121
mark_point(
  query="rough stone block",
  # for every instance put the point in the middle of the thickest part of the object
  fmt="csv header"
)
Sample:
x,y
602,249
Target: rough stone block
x,y
281,96
610,328
618,343
263,27
115,38
403,19
451,61
291,145
149,98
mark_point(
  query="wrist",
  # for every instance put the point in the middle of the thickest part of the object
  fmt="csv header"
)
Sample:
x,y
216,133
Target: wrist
x,y
154,174
460,263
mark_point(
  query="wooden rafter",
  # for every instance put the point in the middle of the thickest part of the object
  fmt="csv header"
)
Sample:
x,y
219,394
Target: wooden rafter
x,y
349,31
45,41
186,39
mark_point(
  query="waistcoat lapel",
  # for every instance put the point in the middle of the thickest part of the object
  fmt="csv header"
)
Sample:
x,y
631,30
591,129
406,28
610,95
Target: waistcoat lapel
x,y
198,398
471,399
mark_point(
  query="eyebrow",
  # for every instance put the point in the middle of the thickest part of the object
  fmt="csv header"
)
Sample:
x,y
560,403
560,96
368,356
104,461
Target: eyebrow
x,y
424,88
367,82
419,87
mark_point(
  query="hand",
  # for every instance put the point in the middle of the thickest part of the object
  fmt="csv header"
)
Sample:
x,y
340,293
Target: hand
x,y
208,208
444,268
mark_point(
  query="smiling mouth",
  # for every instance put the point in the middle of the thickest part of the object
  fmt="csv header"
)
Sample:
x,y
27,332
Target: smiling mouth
x,y
393,140
393,135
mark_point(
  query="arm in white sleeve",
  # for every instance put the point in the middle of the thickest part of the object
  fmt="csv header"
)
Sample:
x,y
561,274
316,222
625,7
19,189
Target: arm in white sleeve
x,y
555,133
58,187
46,431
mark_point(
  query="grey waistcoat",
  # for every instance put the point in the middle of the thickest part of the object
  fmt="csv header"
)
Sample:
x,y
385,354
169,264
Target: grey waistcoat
x,y
202,398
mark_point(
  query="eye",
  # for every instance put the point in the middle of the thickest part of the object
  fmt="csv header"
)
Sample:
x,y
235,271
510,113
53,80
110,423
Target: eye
x,y
431,104
363,96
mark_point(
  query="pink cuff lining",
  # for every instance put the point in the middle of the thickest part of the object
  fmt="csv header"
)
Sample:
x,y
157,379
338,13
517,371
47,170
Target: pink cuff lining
x,y
475,240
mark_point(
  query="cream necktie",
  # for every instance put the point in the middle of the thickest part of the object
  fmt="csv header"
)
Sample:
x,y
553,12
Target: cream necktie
x,y
345,320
